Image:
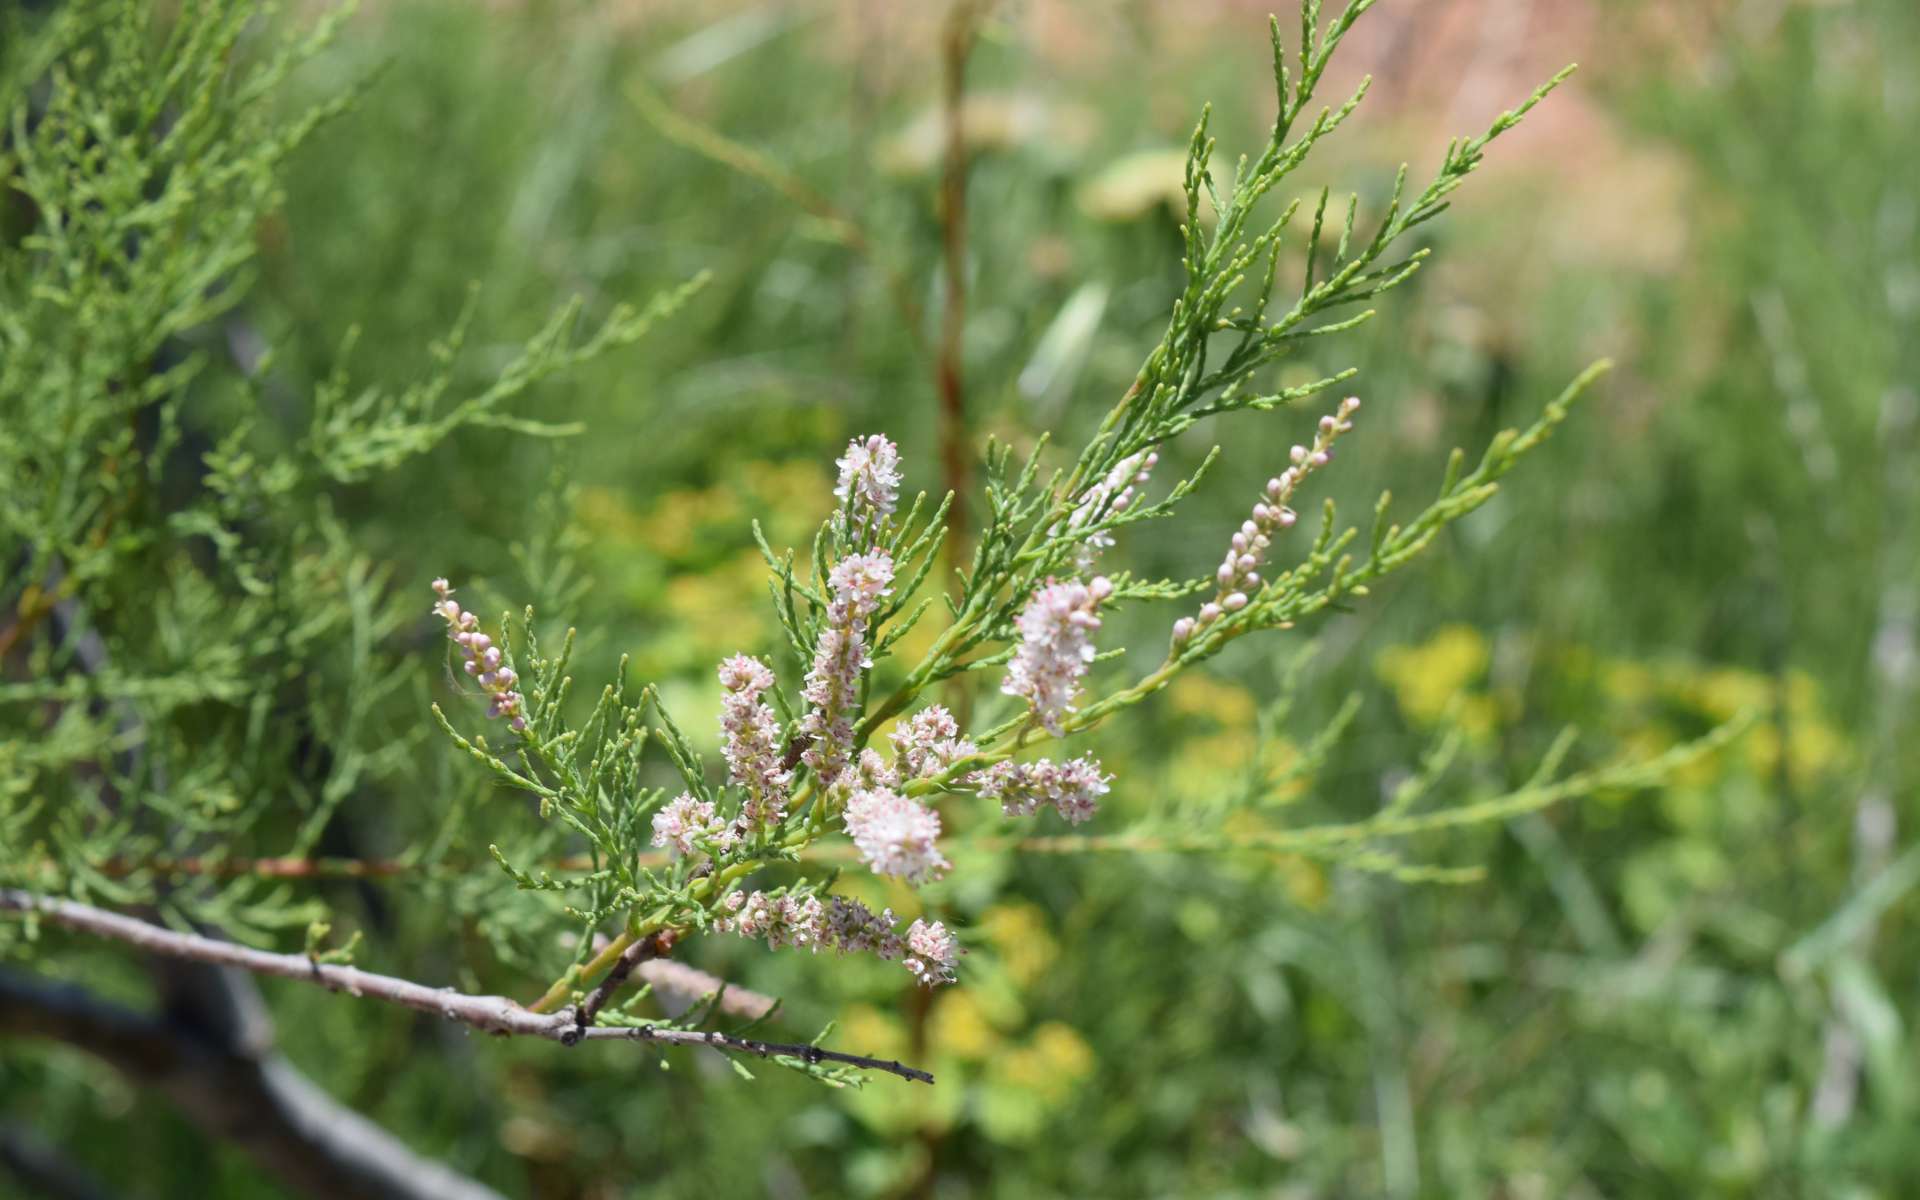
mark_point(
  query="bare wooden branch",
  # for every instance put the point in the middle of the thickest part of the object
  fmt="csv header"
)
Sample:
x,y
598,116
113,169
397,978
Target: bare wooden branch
x,y
650,947
491,1014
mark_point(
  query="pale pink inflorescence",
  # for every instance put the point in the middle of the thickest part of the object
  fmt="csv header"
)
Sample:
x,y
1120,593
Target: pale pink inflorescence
x,y
781,920
928,742
750,733
685,821
869,481
1072,789
1107,499
482,658
932,953
858,582
1239,574
895,835
1056,646
868,771
929,952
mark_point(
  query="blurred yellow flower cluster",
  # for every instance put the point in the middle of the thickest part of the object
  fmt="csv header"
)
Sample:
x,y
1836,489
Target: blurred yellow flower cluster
x,y
1652,706
1434,682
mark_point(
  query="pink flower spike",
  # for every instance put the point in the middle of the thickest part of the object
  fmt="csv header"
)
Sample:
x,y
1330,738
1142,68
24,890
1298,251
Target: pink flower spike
x,y
895,835
869,480
1055,647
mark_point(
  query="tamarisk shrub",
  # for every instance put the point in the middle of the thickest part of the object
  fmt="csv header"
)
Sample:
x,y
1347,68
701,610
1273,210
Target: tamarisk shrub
x,y
1026,608
205,665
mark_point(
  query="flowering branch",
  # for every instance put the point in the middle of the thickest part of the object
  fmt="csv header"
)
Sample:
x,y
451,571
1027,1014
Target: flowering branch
x,y
489,1014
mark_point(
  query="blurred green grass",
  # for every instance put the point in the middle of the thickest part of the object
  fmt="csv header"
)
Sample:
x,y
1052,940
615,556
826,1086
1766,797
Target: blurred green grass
x,y
1729,208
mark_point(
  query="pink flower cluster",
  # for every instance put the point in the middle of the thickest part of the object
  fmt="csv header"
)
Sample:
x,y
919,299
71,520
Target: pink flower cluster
x,y
895,835
869,481
928,742
858,582
482,658
685,822
782,920
1072,789
932,953
928,950
1239,572
750,740
1107,499
1056,645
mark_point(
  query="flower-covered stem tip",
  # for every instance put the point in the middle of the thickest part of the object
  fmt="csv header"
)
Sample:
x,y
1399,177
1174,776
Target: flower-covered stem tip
x,y
1238,576
929,951
927,743
869,483
1109,498
932,953
750,740
782,920
482,658
1072,789
1056,645
895,835
686,822
858,582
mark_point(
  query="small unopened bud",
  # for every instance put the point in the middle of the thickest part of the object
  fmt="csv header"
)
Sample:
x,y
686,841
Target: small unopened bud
x,y
1236,601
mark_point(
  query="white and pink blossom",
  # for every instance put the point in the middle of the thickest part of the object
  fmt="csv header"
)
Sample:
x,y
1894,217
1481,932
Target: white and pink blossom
x,y
1072,789
1056,646
483,659
1238,575
932,953
1107,499
869,481
859,583
929,742
750,741
782,920
896,835
685,822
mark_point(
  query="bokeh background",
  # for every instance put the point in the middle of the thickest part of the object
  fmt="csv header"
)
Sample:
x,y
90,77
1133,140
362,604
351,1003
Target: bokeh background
x,y
1706,991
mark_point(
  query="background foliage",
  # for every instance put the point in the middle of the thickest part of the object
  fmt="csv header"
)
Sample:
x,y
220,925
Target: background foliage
x,y
1665,995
